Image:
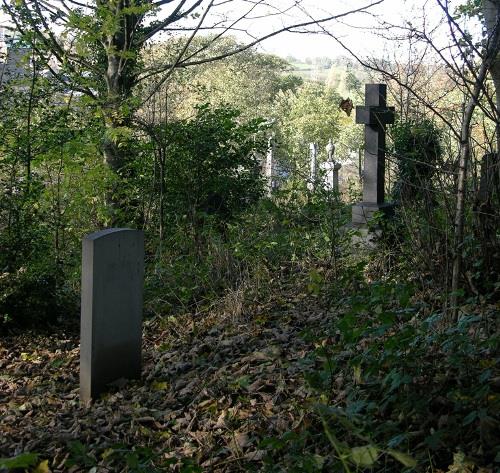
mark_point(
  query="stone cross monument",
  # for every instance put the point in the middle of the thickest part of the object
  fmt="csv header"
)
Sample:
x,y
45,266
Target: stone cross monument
x,y
375,115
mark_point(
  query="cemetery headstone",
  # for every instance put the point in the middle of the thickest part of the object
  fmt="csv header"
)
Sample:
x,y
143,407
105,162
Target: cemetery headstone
x,y
330,151
375,115
330,169
269,166
111,312
313,159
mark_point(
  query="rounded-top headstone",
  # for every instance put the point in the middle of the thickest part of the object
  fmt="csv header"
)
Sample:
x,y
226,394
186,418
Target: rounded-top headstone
x,y
111,312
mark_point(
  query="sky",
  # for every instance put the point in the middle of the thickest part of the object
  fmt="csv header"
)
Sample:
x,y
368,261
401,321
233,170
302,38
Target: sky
x,y
320,44
353,31
360,32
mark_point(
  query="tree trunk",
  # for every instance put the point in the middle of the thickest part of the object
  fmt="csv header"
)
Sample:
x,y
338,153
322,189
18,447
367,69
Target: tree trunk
x,y
114,152
489,59
120,78
116,94
460,206
491,13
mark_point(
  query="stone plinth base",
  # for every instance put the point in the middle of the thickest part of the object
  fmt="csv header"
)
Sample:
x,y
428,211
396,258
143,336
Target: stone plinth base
x,y
362,237
362,212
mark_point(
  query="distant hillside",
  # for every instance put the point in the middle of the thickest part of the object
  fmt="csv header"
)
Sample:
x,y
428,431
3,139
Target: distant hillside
x,y
342,74
310,71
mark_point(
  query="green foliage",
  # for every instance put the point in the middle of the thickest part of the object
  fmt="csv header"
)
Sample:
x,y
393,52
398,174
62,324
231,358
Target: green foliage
x,y
353,84
249,81
51,194
22,461
417,151
191,273
408,383
195,270
311,114
122,457
470,8
212,168
212,176
289,82
308,115
292,451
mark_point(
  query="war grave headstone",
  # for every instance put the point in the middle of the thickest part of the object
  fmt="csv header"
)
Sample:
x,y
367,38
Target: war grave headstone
x,y
111,312
375,115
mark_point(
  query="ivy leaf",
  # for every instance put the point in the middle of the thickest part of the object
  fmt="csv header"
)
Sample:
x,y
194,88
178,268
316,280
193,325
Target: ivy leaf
x,y
24,460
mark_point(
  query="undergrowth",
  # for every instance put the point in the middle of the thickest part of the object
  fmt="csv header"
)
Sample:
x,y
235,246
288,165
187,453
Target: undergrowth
x,y
396,388
391,385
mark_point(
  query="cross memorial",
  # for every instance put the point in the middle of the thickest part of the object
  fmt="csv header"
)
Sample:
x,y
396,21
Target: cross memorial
x,y
375,115
111,313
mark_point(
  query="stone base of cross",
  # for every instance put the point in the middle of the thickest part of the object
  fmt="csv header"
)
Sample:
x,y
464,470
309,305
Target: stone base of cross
x,y
375,115
363,212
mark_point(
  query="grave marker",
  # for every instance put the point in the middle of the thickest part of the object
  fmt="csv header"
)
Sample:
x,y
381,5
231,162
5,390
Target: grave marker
x,y
375,115
330,169
269,166
313,159
111,313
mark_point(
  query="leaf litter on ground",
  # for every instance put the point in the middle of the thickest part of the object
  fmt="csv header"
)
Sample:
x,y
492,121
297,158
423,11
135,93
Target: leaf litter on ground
x,y
212,388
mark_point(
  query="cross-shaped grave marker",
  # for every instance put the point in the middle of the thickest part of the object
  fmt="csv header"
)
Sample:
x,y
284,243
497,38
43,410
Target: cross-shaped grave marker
x,y
375,115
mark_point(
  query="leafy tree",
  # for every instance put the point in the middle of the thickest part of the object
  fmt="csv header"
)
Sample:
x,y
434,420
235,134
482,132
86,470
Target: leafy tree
x,y
353,84
47,160
211,168
311,114
248,81
97,47
417,150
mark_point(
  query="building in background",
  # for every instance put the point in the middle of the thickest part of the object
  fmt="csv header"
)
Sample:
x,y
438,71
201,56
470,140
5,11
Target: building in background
x,y
14,58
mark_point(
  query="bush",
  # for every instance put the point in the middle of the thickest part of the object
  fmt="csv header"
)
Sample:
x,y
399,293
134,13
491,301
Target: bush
x,y
212,167
395,389
416,150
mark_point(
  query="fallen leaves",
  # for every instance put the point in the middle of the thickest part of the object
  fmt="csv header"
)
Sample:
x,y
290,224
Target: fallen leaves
x,y
212,389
